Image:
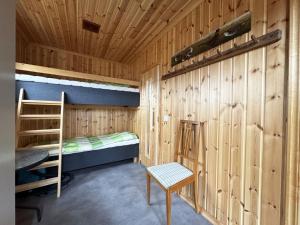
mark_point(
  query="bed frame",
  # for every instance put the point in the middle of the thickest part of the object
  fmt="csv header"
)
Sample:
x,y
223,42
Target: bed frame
x,y
83,160
78,95
82,95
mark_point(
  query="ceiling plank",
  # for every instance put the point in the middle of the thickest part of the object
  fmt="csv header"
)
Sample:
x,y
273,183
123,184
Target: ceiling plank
x,y
125,24
114,26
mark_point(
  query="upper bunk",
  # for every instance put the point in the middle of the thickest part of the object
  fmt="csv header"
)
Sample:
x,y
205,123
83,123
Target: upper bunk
x,y
45,83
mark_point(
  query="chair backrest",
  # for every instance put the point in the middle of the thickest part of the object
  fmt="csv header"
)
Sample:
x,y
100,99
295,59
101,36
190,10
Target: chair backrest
x,y
188,142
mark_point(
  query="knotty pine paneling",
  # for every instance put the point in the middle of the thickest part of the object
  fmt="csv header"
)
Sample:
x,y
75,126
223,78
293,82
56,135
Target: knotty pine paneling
x,y
57,58
292,180
149,117
241,101
125,24
21,45
96,120
81,121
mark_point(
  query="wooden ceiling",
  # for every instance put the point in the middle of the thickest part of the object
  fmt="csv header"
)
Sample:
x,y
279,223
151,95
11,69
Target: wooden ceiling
x,y
125,24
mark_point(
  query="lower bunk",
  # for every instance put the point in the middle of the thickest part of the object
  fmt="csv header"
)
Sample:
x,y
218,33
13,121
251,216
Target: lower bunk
x,y
82,160
83,152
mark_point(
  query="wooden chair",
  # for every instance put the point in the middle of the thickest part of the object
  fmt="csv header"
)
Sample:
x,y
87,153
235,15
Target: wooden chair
x,y
174,176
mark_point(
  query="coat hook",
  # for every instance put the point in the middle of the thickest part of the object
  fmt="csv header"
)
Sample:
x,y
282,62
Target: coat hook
x,y
235,45
204,58
254,39
189,54
219,52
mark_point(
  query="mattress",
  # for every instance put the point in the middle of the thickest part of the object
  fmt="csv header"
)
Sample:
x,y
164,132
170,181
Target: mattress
x,y
40,79
93,143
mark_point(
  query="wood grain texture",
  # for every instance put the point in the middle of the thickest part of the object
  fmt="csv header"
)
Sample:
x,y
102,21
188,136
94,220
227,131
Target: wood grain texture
x,y
68,74
239,100
82,121
149,117
67,60
94,120
123,23
292,181
244,178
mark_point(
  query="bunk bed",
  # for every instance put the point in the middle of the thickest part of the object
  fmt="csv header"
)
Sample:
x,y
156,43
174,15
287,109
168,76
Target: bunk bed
x,y
119,93
43,83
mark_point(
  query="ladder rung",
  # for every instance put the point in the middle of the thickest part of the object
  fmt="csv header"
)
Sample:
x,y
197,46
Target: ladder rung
x,y
39,116
47,165
37,147
39,132
36,184
40,102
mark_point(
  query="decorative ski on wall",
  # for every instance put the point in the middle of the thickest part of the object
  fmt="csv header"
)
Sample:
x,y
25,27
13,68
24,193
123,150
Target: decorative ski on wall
x,y
254,43
229,31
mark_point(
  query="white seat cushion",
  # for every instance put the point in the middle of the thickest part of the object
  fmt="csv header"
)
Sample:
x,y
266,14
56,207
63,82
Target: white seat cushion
x,y
169,174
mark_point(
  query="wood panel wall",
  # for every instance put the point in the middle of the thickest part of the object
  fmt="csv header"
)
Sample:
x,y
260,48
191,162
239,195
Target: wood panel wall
x,y
148,116
241,100
97,120
57,58
21,45
82,120
292,203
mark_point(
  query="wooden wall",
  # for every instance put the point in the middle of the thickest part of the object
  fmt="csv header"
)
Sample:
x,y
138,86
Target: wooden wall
x,y
57,58
97,120
82,120
149,117
292,203
21,45
241,101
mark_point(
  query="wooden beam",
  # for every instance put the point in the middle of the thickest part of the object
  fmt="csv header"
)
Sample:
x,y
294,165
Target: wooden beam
x,y
34,69
255,43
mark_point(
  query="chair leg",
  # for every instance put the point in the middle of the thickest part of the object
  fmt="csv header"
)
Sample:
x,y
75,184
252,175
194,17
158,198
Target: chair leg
x,y
148,188
169,206
196,196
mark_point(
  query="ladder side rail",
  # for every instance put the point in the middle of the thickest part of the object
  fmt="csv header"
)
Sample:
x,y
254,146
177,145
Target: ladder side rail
x,y
19,112
60,144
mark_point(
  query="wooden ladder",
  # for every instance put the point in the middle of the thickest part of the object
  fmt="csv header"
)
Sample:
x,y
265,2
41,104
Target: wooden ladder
x,y
54,149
